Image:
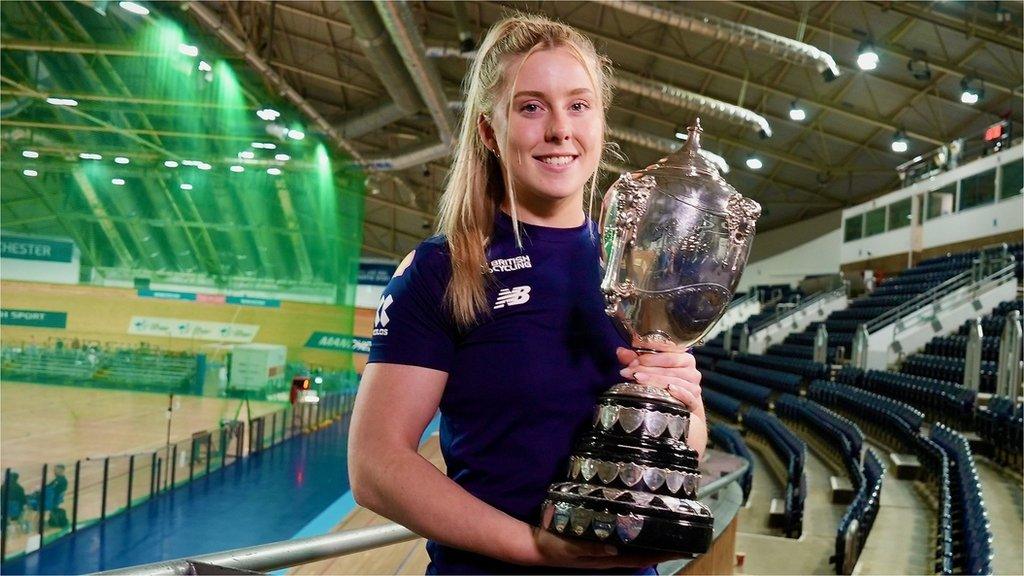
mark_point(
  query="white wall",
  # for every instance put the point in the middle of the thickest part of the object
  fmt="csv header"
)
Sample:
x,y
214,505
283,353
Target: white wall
x,y
988,220
818,256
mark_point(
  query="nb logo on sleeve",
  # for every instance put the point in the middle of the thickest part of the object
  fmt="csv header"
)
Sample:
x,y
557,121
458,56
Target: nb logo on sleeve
x,y
380,319
512,296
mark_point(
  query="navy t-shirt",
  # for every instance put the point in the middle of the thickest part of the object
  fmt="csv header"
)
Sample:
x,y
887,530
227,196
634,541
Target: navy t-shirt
x,y
522,382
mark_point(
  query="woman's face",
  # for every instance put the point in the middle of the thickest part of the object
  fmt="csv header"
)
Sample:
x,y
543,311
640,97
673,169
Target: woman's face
x,y
553,130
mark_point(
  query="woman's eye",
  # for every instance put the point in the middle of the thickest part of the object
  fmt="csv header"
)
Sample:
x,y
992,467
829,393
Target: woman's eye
x,y
529,108
580,106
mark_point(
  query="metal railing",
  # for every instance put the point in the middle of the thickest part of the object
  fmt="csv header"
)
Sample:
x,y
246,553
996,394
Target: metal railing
x,y
781,315
288,553
69,497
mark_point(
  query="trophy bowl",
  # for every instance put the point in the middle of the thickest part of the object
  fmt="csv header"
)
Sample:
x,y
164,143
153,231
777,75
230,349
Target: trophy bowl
x,y
675,239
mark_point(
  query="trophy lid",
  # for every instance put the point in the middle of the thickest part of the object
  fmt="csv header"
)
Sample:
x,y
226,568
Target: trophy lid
x,y
690,177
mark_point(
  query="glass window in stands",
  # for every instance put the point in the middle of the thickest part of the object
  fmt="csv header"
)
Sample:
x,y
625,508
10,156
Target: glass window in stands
x,y
874,222
852,228
1012,179
978,189
899,214
940,202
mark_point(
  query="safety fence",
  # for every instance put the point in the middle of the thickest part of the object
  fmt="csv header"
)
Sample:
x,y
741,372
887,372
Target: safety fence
x,y
67,497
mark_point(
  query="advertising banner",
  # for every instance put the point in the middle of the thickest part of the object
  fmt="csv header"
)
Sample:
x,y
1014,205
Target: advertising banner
x,y
192,329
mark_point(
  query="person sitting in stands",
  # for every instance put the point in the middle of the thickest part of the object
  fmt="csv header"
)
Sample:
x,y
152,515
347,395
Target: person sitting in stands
x,y
14,496
55,490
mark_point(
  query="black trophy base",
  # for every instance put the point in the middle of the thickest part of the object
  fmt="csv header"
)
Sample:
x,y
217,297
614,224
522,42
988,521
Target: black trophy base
x,y
624,518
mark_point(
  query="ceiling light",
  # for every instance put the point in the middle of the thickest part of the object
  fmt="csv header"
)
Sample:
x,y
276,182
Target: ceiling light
x,y
796,113
121,160
30,154
867,58
203,166
274,171
30,173
117,181
90,156
264,145
973,90
134,8
282,157
237,168
754,163
296,134
188,50
204,66
186,186
268,114
61,101
170,163
899,142
247,154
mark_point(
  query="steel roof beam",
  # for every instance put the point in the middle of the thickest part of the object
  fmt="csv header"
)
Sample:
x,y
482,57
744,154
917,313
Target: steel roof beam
x,y
961,25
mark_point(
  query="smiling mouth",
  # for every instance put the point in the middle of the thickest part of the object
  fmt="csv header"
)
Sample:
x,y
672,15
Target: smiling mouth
x,y
557,160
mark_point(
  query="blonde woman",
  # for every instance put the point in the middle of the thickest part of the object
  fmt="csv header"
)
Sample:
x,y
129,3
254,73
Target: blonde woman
x,y
499,322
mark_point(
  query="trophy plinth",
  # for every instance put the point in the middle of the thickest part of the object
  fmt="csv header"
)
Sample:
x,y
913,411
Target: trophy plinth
x,y
675,240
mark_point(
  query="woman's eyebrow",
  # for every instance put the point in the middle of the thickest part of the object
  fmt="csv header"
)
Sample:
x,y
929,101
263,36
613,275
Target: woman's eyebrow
x,y
536,94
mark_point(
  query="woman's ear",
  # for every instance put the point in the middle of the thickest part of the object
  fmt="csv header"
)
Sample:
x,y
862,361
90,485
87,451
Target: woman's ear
x,y
486,131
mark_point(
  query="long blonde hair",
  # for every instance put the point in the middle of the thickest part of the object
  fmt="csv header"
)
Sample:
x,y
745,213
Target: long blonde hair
x,y
475,187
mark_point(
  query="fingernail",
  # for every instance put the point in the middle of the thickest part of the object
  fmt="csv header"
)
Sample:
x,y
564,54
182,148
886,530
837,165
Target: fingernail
x,y
640,376
611,550
626,373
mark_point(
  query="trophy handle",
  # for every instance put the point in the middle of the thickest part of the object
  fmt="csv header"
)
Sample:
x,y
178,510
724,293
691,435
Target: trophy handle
x,y
621,211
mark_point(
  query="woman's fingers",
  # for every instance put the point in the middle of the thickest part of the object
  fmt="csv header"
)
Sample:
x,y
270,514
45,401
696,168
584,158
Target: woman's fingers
x,y
668,360
689,374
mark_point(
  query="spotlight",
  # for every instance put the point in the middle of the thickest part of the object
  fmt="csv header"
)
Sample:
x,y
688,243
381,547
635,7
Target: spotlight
x,y
754,163
30,154
867,58
237,168
30,173
188,50
296,134
134,8
282,157
61,101
973,90
268,114
264,145
899,142
90,156
680,133
274,171
117,181
186,186
796,113
170,163
247,154
204,166
204,66
121,160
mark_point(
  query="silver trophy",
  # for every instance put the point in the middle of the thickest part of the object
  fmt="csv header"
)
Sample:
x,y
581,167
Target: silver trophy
x,y
675,239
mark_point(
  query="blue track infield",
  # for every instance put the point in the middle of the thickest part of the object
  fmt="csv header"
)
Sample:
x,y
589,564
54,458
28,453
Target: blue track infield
x,y
266,497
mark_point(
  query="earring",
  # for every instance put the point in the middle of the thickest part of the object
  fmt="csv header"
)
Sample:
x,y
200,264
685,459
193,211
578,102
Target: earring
x,y
496,153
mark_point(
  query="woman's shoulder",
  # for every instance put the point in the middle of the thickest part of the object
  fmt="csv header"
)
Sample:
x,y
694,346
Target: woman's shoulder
x,y
430,258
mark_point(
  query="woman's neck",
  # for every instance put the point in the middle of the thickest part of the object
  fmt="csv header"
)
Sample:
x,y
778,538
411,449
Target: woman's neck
x,y
566,213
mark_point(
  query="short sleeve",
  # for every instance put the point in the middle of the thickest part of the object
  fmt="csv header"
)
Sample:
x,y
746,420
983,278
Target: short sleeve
x,y
410,325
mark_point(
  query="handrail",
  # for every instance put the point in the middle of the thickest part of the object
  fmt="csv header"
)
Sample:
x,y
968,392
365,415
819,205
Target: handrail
x,y
955,283
803,305
287,553
752,295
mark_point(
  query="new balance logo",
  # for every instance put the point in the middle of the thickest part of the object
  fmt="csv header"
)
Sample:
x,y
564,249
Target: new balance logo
x,y
380,318
512,297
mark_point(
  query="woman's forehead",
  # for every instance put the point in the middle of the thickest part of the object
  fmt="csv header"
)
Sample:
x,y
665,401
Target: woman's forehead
x,y
553,72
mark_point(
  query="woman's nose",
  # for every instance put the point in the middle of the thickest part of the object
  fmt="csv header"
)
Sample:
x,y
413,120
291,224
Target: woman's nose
x,y
559,129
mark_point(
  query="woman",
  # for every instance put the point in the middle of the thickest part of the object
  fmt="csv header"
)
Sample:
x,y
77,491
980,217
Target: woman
x,y
499,322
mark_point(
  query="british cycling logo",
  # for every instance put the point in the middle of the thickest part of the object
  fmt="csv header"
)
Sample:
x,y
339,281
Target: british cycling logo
x,y
380,318
512,297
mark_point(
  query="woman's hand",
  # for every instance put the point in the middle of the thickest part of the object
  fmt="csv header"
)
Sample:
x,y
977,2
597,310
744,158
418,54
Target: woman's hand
x,y
556,551
676,372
